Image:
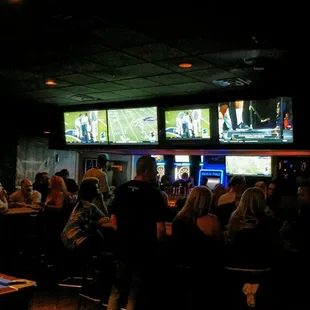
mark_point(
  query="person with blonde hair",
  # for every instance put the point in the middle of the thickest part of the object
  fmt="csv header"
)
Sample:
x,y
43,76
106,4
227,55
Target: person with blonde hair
x,y
262,185
58,194
196,234
195,218
252,232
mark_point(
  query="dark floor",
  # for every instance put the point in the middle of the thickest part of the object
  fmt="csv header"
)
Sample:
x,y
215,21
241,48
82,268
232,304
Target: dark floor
x,y
61,300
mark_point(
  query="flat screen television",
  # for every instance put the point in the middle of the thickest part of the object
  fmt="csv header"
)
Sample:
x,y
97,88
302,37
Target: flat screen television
x,y
86,127
256,121
249,165
133,126
187,124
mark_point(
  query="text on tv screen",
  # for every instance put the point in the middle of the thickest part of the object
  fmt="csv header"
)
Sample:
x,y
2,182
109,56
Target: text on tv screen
x,y
256,121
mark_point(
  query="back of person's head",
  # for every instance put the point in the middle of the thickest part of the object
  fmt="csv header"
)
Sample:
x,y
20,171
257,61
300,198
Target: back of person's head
x,y
102,160
64,172
146,168
57,183
198,204
184,176
262,185
237,180
252,203
89,189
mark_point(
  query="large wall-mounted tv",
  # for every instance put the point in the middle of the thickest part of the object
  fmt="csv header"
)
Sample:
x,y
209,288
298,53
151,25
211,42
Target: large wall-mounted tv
x,y
133,126
86,127
249,165
187,124
256,121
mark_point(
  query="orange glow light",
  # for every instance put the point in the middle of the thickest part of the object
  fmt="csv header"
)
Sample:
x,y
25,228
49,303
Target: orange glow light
x,y
47,132
185,65
50,83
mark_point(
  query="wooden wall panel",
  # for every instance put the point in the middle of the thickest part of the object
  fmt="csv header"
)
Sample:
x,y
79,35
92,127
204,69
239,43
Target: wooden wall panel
x,y
33,156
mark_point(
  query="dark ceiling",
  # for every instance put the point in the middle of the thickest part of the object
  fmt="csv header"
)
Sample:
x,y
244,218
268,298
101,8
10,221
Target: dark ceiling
x,y
96,57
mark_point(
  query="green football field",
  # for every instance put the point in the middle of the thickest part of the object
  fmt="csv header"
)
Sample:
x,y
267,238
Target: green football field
x,y
133,125
170,119
70,117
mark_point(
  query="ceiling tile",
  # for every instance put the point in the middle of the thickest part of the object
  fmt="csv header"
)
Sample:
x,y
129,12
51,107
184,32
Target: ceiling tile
x,y
105,96
79,79
142,70
171,79
115,59
84,66
131,93
138,83
160,90
59,100
173,64
38,84
196,86
209,76
46,93
18,74
155,51
121,37
106,86
79,89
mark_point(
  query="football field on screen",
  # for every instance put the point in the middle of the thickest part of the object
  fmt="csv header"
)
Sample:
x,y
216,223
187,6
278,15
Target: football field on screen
x,y
170,119
133,125
70,118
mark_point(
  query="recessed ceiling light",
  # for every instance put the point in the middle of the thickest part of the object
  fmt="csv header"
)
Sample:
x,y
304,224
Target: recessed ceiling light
x,y
50,82
185,65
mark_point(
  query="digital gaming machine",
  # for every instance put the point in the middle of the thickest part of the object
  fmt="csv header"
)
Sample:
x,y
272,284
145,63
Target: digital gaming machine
x,y
181,165
160,160
212,171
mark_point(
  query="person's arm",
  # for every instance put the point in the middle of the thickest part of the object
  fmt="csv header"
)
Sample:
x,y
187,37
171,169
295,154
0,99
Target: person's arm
x,y
104,187
3,203
36,200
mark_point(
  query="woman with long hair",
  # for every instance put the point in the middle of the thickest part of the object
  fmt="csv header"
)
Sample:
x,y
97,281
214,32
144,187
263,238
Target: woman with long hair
x,y
58,194
194,225
251,231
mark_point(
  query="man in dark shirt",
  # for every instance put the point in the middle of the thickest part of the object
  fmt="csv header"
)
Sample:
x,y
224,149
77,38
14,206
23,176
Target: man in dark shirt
x,y
138,215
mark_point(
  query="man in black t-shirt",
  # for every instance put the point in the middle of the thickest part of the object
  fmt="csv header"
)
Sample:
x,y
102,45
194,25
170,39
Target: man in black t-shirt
x,y
138,215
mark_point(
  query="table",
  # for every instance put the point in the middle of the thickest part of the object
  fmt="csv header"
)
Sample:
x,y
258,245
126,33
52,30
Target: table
x,y
16,296
14,211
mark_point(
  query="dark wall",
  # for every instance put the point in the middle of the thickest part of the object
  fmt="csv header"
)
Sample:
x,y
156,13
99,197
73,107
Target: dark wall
x,y
21,118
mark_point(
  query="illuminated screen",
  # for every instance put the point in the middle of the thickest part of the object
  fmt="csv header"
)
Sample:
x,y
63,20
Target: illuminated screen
x,y
256,121
249,165
86,127
187,124
159,159
181,158
133,126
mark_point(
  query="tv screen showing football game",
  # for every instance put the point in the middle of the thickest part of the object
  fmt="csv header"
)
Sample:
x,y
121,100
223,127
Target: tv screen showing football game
x,y
256,121
133,126
187,124
249,165
86,127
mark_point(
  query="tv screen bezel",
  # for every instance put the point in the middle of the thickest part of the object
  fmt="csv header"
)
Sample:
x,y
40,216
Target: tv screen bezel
x,y
276,143
190,142
69,144
249,175
122,144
